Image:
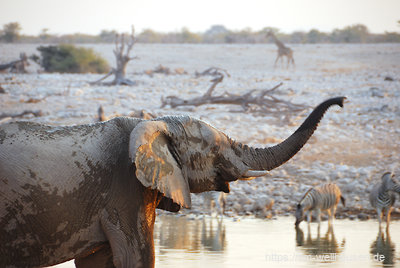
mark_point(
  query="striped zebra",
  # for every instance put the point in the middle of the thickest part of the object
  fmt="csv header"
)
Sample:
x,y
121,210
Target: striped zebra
x,y
382,196
322,198
215,202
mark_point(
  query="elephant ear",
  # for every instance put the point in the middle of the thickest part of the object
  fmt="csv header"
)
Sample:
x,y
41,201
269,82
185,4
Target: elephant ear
x,y
155,165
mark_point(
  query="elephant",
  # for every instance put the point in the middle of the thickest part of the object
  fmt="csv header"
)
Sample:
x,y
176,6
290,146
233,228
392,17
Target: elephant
x,y
89,192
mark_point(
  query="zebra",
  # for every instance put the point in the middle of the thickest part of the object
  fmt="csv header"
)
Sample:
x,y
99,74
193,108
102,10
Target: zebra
x,y
382,196
325,197
215,202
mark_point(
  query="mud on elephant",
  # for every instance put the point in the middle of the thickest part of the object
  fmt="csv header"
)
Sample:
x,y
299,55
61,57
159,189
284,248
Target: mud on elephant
x,y
89,192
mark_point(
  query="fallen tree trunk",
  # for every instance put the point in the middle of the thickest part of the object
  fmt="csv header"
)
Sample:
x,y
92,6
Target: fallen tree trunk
x,y
212,71
160,69
17,66
252,101
8,65
6,116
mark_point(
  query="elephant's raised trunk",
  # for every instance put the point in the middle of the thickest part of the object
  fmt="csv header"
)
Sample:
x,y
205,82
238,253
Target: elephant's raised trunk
x,y
272,157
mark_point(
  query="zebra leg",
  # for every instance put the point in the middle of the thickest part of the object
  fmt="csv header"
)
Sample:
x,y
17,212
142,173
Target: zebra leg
x,y
333,213
379,212
330,213
308,216
319,216
388,211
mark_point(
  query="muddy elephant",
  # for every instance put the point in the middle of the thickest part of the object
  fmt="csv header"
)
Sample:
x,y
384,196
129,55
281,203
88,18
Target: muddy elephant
x,y
88,192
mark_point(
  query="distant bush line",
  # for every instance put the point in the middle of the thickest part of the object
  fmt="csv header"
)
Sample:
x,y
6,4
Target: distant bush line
x,y
67,58
217,34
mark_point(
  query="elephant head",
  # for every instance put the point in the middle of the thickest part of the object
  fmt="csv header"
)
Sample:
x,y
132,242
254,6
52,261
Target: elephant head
x,y
179,155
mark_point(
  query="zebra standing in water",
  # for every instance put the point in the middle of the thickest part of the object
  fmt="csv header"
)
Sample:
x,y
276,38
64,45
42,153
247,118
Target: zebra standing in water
x,y
325,197
382,196
215,202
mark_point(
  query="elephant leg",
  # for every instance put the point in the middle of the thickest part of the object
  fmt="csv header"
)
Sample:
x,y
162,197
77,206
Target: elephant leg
x,y
102,258
123,253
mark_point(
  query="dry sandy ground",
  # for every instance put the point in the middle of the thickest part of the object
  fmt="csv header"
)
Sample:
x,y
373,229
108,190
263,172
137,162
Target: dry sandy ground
x,y
352,147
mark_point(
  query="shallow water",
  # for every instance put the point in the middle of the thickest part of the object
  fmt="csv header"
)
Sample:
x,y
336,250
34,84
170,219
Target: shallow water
x,y
211,242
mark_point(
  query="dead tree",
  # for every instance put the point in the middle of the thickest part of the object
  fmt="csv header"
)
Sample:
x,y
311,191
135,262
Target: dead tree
x,y
100,113
212,71
17,66
7,116
123,47
261,101
160,69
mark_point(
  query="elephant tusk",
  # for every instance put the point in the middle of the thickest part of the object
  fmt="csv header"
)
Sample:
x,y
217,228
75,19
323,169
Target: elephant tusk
x,y
250,174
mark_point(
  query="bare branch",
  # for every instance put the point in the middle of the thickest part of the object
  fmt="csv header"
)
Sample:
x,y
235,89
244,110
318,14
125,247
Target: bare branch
x,y
8,115
104,77
213,71
101,115
122,58
131,40
215,81
263,101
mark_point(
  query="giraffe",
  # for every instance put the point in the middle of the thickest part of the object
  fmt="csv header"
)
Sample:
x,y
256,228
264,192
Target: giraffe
x,y
282,50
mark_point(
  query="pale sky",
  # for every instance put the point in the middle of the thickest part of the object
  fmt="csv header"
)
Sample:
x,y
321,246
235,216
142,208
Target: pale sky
x,y
92,16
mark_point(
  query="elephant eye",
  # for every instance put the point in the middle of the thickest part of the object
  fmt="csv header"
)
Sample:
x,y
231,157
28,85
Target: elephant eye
x,y
174,153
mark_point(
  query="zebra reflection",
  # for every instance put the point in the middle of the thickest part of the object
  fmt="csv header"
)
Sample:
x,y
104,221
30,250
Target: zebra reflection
x,y
384,246
213,239
319,246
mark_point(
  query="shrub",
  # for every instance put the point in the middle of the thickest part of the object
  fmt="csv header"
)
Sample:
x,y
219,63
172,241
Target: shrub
x,y
71,59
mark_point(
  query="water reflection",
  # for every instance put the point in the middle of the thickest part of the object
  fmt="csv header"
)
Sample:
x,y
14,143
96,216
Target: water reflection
x,y
213,241
208,234
319,246
384,246
245,242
